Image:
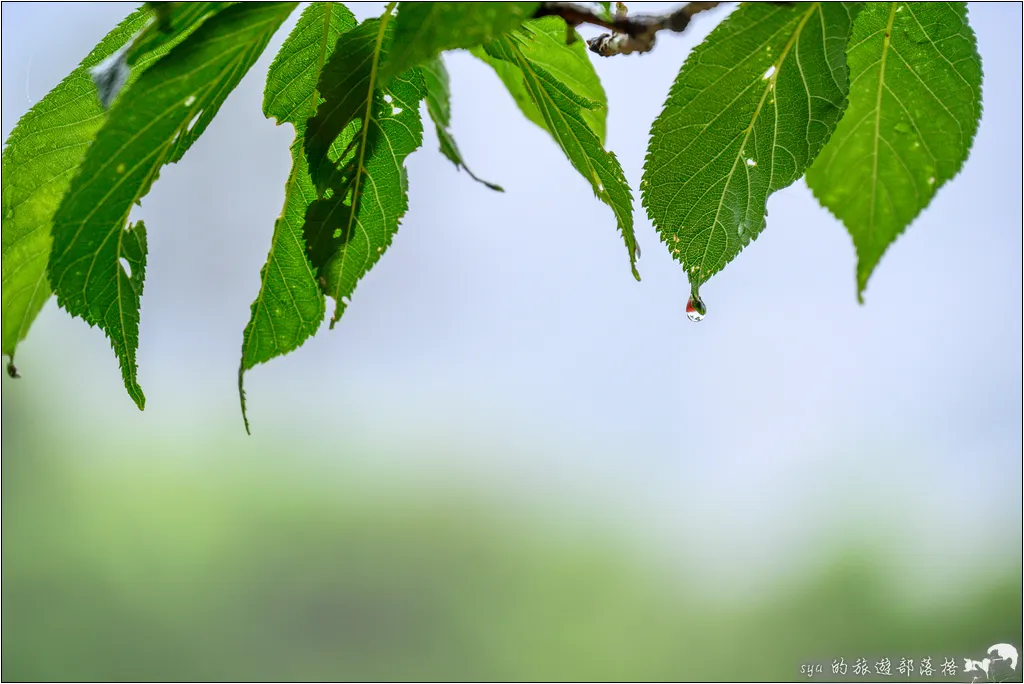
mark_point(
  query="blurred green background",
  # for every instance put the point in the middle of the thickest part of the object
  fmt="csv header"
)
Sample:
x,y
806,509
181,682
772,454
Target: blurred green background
x,y
510,461
209,563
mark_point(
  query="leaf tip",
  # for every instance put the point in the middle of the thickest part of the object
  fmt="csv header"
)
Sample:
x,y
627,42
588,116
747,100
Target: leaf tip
x,y
862,284
493,186
863,275
241,395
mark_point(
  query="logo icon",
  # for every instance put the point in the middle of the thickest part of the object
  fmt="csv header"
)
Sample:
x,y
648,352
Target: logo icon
x,y
1003,656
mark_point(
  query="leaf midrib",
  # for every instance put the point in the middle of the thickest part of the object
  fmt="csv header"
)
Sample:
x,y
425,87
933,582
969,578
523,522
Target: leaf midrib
x,y
323,53
753,121
886,42
361,154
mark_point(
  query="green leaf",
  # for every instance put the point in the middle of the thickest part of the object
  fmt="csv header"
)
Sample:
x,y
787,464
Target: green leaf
x,y
750,110
544,46
512,77
424,29
915,103
435,76
562,110
290,95
40,158
171,22
348,86
151,124
290,306
360,174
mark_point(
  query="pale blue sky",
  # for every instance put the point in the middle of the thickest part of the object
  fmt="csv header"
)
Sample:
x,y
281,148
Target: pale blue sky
x,y
502,339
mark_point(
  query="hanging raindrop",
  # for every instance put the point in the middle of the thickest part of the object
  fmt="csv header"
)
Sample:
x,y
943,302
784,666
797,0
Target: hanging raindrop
x,y
695,309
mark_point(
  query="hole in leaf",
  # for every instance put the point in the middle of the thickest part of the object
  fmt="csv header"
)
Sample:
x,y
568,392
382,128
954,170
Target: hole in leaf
x,y
751,162
396,110
125,265
192,123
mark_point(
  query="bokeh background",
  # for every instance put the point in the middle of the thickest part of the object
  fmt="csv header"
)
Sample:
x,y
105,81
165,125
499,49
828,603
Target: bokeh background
x,y
510,460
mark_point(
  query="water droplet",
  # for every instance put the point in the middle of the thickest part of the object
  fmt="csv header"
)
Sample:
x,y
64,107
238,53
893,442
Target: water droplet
x,y
751,162
902,127
900,8
190,100
768,74
695,309
931,180
600,187
379,250
636,250
120,168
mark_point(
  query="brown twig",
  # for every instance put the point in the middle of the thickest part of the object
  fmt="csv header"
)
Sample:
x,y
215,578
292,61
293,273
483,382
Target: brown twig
x,y
629,34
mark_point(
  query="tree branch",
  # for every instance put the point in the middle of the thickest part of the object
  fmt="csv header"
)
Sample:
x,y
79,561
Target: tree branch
x,y
630,34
